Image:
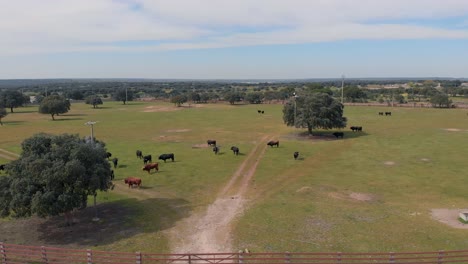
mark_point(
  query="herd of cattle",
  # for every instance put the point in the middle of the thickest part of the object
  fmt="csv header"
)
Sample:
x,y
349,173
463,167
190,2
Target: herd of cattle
x,y
149,165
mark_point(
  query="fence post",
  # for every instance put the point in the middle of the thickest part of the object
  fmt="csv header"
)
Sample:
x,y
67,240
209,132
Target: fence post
x,y
2,251
190,259
89,256
338,257
240,257
138,258
440,259
287,257
392,257
44,255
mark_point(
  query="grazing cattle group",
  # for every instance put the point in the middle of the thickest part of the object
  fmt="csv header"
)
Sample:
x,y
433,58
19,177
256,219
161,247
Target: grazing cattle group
x,y
147,159
386,113
338,134
211,142
273,143
261,111
356,128
150,166
167,156
132,181
235,150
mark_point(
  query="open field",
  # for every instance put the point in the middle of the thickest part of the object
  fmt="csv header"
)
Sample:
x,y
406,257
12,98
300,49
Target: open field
x,y
371,191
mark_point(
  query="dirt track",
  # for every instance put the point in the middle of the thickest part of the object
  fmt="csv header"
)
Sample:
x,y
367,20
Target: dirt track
x,y
209,231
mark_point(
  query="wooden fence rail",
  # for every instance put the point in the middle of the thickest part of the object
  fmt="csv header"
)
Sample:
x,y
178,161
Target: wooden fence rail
x,y
10,254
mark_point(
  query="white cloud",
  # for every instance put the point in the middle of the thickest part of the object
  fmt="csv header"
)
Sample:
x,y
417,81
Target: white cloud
x,y
47,26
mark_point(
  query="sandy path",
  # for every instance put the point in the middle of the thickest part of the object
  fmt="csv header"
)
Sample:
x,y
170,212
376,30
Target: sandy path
x,y
8,155
209,231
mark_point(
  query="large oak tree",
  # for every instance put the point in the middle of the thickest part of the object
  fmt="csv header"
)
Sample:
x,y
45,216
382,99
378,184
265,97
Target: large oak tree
x,y
12,99
54,175
314,110
54,105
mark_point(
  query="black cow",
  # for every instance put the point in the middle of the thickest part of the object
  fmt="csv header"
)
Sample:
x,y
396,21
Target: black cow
x,y
167,156
259,111
381,113
2,167
235,150
263,112
108,155
296,154
115,161
388,113
147,159
215,150
211,142
112,174
139,154
338,134
273,143
356,128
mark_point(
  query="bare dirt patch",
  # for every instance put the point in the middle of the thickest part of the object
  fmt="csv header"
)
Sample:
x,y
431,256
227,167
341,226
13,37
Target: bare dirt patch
x,y
354,196
363,197
200,146
425,159
389,163
304,189
178,130
453,129
449,217
156,108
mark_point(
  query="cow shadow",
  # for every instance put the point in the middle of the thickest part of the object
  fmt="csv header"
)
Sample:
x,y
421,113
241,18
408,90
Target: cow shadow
x,y
355,134
118,220
221,153
122,166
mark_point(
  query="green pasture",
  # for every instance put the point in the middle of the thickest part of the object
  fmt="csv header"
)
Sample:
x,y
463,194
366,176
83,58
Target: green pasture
x,y
371,191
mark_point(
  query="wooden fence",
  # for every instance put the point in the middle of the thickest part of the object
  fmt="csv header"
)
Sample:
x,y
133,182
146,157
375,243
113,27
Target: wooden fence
x,y
10,254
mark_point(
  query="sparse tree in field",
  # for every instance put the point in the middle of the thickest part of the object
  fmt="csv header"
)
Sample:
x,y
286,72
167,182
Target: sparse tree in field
x,y
195,97
54,105
123,95
441,100
314,110
54,175
12,99
93,100
3,113
178,100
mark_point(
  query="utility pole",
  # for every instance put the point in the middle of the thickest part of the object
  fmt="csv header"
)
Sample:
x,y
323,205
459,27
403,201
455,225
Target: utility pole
x,y
91,123
295,109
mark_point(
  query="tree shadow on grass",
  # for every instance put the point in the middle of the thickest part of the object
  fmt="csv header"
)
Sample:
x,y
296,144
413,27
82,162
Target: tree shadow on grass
x,y
118,220
13,122
66,119
74,115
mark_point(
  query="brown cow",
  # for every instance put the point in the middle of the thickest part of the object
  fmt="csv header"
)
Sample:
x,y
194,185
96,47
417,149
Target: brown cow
x,y
148,167
131,181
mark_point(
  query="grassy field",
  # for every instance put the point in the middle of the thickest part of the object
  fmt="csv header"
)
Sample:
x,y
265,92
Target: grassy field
x,y
371,191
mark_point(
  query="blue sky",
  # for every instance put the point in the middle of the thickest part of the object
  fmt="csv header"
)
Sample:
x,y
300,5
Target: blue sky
x,y
243,39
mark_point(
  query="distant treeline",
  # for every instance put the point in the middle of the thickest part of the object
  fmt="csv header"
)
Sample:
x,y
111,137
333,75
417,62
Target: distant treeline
x,y
179,92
